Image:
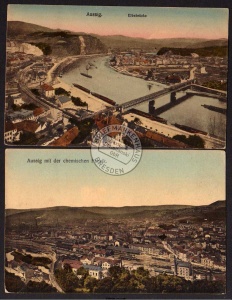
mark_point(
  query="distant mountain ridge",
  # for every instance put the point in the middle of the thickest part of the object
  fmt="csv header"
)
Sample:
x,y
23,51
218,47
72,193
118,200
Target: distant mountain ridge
x,y
65,214
65,42
124,42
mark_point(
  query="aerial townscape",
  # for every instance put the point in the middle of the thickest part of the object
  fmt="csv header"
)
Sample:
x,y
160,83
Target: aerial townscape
x,y
63,86
159,80
136,249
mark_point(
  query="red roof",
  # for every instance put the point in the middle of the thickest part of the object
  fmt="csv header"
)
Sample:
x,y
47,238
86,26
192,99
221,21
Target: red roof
x,y
67,138
74,264
38,111
109,260
112,120
27,125
47,87
9,126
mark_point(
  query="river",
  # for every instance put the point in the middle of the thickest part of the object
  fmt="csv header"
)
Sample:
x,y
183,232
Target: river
x,y
121,88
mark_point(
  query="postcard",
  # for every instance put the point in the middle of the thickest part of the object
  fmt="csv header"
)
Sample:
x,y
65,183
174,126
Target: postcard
x,y
72,70
71,227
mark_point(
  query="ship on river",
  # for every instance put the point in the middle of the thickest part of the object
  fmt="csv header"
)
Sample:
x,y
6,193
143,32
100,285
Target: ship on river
x,y
215,108
86,74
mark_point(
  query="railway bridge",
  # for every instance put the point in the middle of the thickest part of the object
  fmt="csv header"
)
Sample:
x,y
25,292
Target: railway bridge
x,y
172,90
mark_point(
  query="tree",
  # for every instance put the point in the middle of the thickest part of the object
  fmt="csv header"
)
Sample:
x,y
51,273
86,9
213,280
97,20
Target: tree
x,y
104,286
115,272
13,283
137,121
66,279
82,271
195,141
78,102
61,91
67,268
141,272
90,283
39,287
71,282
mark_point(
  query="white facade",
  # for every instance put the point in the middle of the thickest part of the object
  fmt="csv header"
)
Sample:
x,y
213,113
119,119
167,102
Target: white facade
x,y
10,135
56,114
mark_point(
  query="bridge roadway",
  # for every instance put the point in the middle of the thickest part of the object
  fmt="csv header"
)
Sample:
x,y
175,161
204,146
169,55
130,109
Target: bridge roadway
x,y
196,89
155,95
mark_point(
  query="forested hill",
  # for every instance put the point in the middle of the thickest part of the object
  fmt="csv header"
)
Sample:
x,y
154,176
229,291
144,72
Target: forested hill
x,y
70,215
221,51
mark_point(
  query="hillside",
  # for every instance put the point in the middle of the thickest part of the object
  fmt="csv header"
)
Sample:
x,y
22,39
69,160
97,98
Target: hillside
x,y
70,215
124,43
63,42
220,51
50,216
55,42
17,29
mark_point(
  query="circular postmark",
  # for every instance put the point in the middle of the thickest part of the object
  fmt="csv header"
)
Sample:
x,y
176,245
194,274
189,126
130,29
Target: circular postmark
x,y
116,149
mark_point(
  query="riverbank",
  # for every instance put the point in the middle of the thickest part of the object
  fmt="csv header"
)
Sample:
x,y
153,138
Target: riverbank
x,y
127,73
64,65
170,131
61,66
94,103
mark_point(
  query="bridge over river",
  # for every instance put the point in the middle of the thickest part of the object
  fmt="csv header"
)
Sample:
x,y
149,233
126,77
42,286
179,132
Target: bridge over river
x,y
172,90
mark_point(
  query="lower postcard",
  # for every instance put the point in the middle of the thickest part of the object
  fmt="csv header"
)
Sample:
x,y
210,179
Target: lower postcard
x,y
75,225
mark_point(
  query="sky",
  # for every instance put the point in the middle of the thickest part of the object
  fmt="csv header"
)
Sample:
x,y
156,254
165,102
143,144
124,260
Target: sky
x,y
208,23
162,177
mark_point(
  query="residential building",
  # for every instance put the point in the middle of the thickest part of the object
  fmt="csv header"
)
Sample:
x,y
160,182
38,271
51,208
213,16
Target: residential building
x,y
47,90
66,138
18,116
94,271
183,269
10,132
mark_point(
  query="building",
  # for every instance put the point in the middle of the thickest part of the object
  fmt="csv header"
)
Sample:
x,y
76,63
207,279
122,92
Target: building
x,y
17,99
86,260
56,114
10,132
30,126
208,263
94,271
183,269
63,101
47,90
74,264
39,112
107,263
18,116
67,138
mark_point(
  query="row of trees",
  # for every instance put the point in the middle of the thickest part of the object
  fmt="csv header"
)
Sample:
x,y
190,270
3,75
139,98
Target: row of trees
x,y
217,85
120,280
194,141
78,102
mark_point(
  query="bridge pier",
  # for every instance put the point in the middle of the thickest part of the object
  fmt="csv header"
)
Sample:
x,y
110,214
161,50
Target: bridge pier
x,y
173,97
151,107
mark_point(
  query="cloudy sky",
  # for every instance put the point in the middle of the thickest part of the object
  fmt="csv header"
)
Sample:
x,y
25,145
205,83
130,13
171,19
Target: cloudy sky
x,y
161,177
210,23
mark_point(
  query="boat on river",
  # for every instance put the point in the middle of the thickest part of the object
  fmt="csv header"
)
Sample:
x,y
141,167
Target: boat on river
x,y
86,75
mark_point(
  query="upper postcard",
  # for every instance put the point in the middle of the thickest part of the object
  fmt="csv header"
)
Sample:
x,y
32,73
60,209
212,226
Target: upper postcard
x,y
72,71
